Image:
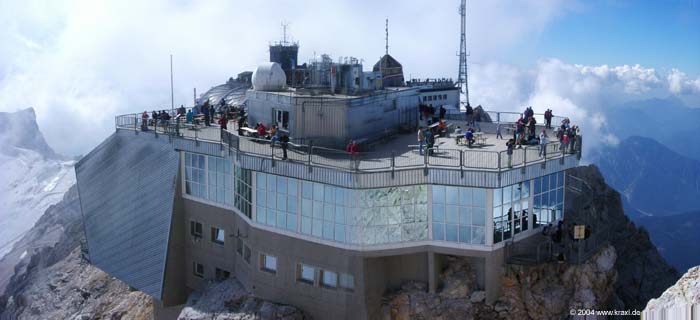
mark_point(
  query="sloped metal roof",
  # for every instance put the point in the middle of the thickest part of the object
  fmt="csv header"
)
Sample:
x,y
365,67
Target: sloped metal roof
x,y
127,189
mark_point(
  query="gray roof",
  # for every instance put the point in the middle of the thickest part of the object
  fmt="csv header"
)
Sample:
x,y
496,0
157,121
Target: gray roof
x,y
127,192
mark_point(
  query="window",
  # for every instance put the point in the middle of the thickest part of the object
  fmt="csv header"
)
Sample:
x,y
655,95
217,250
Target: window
x,y
510,210
195,229
219,180
425,98
306,273
221,274
276,200
268,263
444,97
459,214
282,118
243,191
347,281
195,178
329,279
218,235
198,269
548,202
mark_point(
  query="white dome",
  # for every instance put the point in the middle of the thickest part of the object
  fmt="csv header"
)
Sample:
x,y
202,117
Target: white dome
x,y
269,76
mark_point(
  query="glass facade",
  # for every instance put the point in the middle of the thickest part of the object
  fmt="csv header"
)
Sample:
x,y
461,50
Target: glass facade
x,y
343,215
511,205
459,214
276,201
549,198
212,179
376,216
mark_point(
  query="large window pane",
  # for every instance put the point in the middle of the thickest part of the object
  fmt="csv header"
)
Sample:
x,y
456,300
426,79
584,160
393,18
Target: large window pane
x,y
438,194
452,195
307,190
438,231
465,196
452,214
438,212
465,234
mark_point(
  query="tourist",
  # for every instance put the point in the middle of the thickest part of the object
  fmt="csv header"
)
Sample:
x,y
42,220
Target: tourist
x,y
154,119
442,112
284,142
261,130
548,118
223,122
564,143
189,117
144,121
543,142
206,112
469,136
531,127
510,146
470,114
498,131
241,123
458,134
429,142
182,111
352,150
421,140
274,134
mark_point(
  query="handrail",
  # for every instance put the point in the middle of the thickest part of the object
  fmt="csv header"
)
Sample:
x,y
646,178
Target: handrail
x,y
362,161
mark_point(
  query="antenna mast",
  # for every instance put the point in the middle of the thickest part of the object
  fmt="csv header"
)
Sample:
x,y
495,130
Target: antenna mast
x,y
386,29
284,32
462,81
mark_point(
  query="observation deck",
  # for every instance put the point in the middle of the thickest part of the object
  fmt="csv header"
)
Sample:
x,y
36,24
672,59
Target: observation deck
x,y
486,161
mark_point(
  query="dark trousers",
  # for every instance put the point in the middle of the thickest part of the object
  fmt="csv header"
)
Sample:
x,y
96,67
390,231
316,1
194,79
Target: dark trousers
x,y
284,150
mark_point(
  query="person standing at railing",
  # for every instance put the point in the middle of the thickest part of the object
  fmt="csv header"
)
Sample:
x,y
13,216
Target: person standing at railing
x,y
189,116
470,114
421,140
352,150
429,141
510,145
543,142
284,142
223,122
442,112
207,114
548,118
498,131
564,144
154,119
144,121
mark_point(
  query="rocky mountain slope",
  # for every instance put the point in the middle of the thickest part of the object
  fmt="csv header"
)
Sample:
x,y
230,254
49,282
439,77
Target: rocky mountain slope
x,y
625,272
675,237
678,300
653,178
53,281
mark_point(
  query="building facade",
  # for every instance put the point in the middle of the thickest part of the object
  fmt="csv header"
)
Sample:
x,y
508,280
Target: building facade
x,y
167,213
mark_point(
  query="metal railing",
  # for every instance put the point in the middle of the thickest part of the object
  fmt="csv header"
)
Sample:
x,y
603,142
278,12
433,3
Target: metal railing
x,y
362,161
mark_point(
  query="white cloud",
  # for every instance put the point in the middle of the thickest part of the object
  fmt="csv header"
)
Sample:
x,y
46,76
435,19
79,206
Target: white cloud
x,y
679,83
80,62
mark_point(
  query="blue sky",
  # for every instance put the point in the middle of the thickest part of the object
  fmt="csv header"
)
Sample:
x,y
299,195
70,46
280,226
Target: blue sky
x,y
659,34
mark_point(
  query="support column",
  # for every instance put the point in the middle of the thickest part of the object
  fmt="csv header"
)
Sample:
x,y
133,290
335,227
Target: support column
x,y
432,273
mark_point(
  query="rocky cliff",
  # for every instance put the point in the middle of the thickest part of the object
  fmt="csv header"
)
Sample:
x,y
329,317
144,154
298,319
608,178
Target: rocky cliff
x,y
678,300
624,272
53,281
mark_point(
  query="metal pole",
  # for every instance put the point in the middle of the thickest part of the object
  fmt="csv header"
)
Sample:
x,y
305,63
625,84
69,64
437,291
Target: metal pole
x,y
172,94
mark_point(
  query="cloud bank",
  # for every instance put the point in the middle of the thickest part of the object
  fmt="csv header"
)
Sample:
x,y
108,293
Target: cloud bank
x,y
80,62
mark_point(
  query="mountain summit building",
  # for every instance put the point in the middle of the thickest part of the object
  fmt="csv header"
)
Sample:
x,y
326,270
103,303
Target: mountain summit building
x,y
168,209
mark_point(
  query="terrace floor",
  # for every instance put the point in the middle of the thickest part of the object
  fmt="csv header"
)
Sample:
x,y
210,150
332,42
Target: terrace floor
x,y
398,150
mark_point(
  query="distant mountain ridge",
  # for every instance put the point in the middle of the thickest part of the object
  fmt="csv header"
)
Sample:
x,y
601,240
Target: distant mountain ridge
x,y
32,175
668,121
20,130
652,178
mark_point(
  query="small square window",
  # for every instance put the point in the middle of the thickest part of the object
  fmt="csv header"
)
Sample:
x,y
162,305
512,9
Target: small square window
x,y
221,274
268,263
218,235
347,281
198,269
306,273
329,279
195,229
